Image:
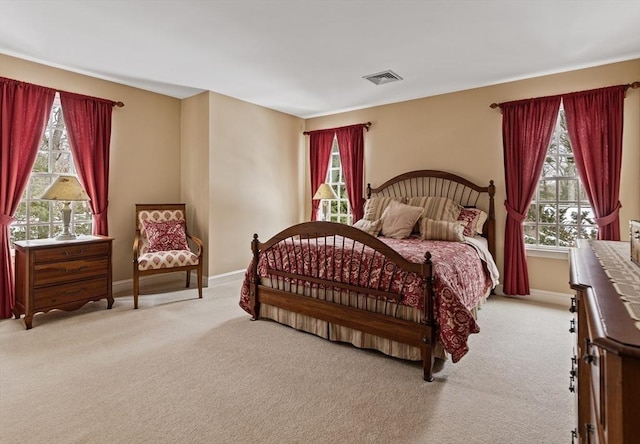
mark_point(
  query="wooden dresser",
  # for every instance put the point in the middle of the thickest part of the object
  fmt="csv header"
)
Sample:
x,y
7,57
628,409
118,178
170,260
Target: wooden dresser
x,y
606,367
61,275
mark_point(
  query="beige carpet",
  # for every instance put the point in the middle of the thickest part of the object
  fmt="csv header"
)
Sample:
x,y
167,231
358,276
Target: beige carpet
x,y
184,370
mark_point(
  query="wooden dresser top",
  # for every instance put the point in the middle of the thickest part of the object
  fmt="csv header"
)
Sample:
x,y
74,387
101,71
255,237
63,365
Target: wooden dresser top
x,y
587,273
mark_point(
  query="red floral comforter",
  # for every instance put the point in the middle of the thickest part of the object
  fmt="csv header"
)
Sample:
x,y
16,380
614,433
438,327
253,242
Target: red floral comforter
x,y
461,279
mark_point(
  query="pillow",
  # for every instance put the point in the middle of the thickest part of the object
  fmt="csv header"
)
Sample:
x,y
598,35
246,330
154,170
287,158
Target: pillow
x,y
371,227
441,230
437,208
398,220
375,206
473,219
166,235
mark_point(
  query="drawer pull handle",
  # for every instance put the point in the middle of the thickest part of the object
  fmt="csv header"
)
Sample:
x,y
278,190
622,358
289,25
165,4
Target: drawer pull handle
x,y
74,292
70,253
588,358
74,270
572,387
573,307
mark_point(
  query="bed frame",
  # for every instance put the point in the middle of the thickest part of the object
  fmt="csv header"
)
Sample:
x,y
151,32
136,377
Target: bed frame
x,y
421,334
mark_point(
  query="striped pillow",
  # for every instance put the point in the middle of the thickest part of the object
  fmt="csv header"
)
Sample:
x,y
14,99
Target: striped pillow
x,y
441,230
437,208
375,206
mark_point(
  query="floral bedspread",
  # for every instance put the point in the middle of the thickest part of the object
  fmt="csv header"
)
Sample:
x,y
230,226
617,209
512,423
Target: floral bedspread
x,y
461,278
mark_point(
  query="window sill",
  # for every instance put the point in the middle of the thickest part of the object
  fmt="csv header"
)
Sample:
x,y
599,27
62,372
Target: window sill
x,y
549,253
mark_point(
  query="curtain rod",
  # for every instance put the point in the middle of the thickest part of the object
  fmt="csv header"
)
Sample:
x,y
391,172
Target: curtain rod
x,y
634,85
366,126
113,103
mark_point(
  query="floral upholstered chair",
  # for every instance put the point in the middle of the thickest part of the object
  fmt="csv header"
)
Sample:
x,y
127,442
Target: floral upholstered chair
x,y
161,244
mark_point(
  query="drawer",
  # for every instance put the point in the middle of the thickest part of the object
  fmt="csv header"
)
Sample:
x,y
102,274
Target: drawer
x,y
70,252
57,272
76,291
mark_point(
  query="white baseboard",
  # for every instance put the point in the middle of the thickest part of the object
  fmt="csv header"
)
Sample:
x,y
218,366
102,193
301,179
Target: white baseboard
x,y
126,286
546,297
225,278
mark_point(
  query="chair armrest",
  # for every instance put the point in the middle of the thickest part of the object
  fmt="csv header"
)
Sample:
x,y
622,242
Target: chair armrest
x,y
198,243
136,246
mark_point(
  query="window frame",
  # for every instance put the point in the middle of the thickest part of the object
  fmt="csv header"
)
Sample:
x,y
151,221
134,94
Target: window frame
x,y
339,209
563,155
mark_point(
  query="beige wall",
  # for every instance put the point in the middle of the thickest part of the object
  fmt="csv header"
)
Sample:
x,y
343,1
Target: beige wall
x,y
145,146
254,171
458,132
194,167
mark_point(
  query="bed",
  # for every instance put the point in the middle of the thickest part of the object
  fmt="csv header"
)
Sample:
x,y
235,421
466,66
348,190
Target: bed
x,y
412,296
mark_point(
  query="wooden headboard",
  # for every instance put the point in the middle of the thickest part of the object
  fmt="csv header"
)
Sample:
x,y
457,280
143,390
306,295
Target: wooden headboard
x,y
442,184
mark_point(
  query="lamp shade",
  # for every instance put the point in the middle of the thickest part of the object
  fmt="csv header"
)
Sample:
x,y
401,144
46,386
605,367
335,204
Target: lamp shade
x,y
65,188
325,192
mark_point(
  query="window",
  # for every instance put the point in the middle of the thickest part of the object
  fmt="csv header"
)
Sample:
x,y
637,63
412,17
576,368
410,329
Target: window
x,y
339,210
560,212
40,219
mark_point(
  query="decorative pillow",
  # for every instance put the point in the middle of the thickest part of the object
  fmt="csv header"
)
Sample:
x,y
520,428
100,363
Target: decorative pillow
x,y
166,235
437,208
473,219
375,206
398,220
441,230
371,227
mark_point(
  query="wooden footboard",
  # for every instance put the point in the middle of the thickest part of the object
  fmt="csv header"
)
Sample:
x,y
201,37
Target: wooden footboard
x,y
307,277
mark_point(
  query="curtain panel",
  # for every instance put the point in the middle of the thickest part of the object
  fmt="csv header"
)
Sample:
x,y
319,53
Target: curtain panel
x,y
351,146
88,122
594,124
320,143
24,112
527,127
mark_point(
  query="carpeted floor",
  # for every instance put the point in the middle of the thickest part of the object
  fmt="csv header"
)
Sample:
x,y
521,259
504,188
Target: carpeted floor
x,y
185,370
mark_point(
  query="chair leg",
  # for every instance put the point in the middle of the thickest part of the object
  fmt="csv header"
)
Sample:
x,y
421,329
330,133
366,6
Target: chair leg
x,y
188,278
135,287
200,281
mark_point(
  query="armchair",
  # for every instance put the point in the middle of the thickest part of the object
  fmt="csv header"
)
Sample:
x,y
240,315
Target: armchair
x,y
161,244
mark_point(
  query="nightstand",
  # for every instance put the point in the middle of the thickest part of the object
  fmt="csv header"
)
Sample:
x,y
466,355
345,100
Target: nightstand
x,y
64,275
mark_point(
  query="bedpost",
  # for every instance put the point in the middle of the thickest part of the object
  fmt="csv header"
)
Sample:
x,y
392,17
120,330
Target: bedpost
x,y
368,191
429,327
255,279
491,222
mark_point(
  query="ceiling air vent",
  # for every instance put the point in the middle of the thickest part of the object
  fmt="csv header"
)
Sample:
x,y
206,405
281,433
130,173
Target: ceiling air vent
x,y
383,77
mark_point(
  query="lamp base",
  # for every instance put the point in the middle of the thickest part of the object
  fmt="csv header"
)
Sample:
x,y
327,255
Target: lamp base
x,y
64,236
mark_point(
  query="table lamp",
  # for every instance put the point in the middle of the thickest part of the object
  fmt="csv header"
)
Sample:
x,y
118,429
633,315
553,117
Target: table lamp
x,y
324,193
66,189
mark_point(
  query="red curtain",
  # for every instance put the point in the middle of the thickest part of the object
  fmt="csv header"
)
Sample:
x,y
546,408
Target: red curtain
x,y
88,122
594,123
24,111
527,127
351,146
320,143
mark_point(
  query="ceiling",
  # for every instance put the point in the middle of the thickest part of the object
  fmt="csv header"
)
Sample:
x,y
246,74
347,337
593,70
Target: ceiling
x,y
307,57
